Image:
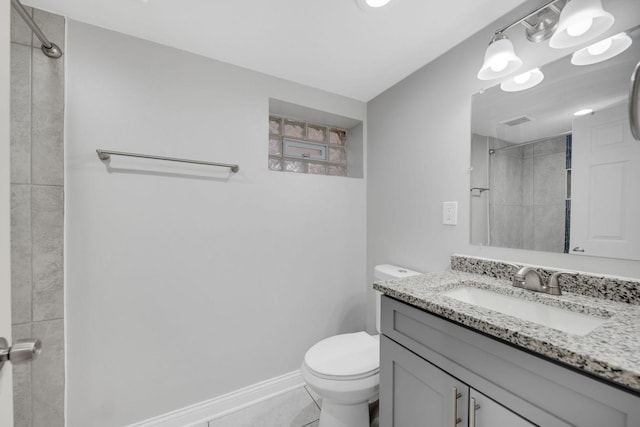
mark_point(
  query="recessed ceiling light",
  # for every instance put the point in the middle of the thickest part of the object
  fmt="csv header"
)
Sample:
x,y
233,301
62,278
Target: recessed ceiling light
x,y
583,112
523,81
603,50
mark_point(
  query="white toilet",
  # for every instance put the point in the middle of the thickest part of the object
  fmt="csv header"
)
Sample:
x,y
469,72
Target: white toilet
x,y
344,369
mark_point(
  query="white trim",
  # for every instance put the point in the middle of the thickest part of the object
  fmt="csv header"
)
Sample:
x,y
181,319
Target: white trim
x,y
225,404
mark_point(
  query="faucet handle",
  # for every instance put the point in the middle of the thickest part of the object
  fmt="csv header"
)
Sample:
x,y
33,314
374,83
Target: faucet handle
x,y
519,283
511,264
554,286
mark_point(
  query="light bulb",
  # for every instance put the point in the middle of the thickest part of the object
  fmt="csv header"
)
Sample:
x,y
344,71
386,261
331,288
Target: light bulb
x,y
522,78
499,63
376,3
580,27
600,47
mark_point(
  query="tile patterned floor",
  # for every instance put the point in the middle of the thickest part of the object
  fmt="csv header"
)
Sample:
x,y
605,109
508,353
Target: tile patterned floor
x,y
297,408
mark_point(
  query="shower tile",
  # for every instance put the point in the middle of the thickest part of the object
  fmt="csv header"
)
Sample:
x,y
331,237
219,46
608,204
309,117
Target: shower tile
x,y
549,179
52,25
47,121
21,382
528,228
47,238
295,408
20,31
549,228
527,181
506,226
20,114
20,253
48,375
550,146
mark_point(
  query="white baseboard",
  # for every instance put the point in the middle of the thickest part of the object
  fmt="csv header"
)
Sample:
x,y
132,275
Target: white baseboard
x,y
225,404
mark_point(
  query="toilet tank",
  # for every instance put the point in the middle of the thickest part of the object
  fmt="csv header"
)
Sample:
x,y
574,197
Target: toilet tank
x,y
388,272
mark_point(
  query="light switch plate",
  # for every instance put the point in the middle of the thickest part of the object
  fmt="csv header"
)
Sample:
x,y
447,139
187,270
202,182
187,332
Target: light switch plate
x,y
450,213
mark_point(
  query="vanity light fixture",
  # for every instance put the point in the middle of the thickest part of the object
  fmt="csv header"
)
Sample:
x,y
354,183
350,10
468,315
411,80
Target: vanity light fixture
x,y
583,112
523,81
603,50
580,21
499,59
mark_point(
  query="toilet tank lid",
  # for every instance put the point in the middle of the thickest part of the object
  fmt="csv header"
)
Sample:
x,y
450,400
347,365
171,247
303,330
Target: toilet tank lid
x,y
390,272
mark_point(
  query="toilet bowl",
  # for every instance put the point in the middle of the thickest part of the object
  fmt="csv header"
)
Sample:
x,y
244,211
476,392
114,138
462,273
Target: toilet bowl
x,y
344,369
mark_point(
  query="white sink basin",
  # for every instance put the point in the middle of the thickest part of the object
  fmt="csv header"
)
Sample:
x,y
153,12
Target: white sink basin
x,y
552,317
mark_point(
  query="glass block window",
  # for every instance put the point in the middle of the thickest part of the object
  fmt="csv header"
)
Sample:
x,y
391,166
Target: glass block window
x,y
303,147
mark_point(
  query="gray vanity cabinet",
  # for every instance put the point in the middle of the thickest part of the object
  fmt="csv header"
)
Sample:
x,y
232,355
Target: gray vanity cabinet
x,y
423,357
422,394
490,414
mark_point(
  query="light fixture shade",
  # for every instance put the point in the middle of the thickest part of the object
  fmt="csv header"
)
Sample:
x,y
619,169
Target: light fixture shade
x,y
376,3
603,50
371,4
523,81
580,21
500,60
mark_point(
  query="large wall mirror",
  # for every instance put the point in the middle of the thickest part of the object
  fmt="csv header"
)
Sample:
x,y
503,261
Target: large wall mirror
x,y
543,178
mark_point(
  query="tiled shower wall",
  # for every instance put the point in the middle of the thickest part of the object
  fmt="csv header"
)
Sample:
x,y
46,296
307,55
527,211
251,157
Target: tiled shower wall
x,y
527,197
543,195
37,217
505,196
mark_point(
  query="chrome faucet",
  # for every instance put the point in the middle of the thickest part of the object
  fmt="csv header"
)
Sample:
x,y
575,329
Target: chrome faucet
x,y
554,287
529,278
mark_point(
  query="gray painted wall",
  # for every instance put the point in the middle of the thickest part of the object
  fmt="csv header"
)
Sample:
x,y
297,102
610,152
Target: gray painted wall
x,y
185,283
37,219
419,155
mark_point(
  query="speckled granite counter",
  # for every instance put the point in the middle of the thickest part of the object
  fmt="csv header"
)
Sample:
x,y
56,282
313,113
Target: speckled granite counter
x,y
611,352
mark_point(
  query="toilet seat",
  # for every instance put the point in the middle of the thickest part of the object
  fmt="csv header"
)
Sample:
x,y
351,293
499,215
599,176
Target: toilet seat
x,y
344,357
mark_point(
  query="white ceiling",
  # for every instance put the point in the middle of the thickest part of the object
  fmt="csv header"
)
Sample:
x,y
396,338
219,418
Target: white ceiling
x,y
327,44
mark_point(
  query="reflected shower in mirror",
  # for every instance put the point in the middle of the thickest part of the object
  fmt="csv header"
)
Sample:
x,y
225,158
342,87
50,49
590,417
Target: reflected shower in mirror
x,y
546,179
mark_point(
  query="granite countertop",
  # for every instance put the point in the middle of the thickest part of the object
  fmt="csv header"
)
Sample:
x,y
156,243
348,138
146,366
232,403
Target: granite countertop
x,y
611,351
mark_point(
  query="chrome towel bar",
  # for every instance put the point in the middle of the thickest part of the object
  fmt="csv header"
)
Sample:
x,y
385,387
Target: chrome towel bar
x,y
106,155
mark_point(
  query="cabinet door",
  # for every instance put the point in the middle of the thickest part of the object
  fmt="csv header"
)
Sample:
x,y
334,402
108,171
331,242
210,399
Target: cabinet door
x,y
491,414
414,393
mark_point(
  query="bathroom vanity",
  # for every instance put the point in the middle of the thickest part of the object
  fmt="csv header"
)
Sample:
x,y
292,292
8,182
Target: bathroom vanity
x,y
447,362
